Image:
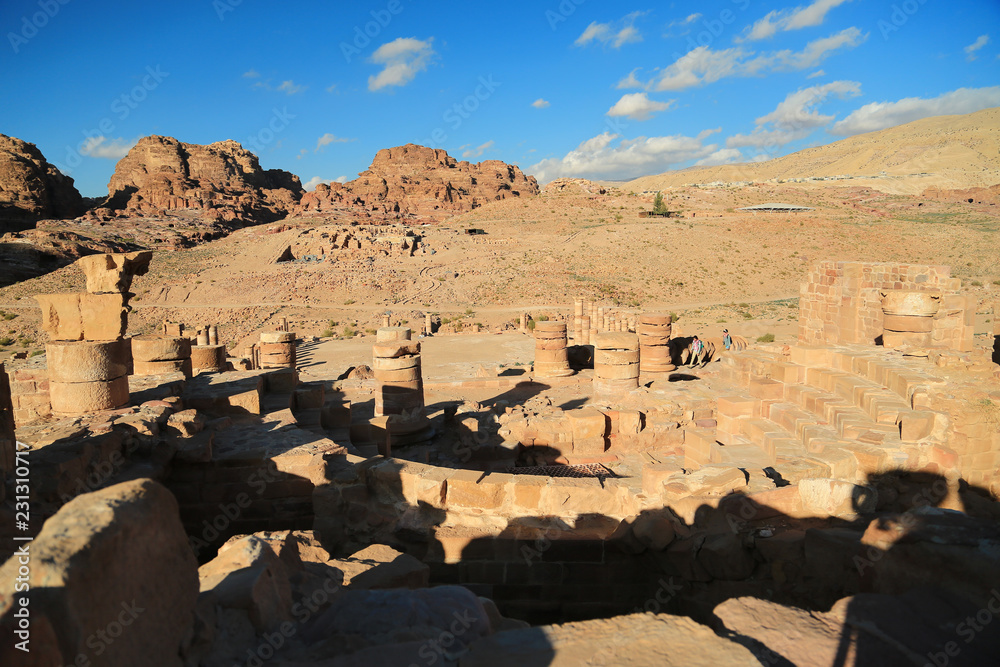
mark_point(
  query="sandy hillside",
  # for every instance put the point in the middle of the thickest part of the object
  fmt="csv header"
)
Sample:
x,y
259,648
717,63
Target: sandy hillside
x,y
943,151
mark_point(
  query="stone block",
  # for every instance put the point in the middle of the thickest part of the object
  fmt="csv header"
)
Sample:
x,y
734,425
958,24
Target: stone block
x,y
71,398
474,489
654,475
915,425
736,406
766,389
86,361
834,497
113,273
587,423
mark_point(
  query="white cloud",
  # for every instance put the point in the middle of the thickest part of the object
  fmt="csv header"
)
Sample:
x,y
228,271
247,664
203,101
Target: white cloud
x,y
880,115
616,34
703,65
110,149
302,153
332,88
251,74
795,117
682,24
540,103
328,139
611,156
402,59
791,19
290,87
970,50
817,73
638,106
721,156
478,150
631,81
311,184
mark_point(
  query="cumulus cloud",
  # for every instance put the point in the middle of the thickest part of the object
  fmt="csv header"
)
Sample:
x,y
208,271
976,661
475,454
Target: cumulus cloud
x,y
290,87
302,153
109,149
795,117
615,34
703,65
401,59
540,103
328,139
631,81
970,50
638,106
311,184
721,156
478,150
880,115
251,74
816,74
611,156
791,19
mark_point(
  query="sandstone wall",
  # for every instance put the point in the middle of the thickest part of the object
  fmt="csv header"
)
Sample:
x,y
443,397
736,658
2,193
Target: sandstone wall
x,y
31,189
840,302
29,392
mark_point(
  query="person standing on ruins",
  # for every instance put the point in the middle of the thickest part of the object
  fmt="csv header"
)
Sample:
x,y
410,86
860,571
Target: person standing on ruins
x,y
697,348
727,340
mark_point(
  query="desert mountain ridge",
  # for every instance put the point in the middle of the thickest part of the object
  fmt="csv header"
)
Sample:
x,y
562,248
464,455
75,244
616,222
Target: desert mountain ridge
x,y
945,152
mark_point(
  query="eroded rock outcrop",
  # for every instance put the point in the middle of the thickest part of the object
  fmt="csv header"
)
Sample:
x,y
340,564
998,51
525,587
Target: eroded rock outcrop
x,y
223,180
112,582
423,182
31,189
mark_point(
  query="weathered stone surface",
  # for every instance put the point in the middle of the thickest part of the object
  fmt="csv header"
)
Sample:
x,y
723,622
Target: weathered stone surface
x,y
83,316
381,566
31,189
113,273
116,561
223,180
917,628
832,497
421,181
86,361
638,640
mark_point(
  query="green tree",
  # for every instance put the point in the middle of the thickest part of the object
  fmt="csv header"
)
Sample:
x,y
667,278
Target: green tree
x,y
658,206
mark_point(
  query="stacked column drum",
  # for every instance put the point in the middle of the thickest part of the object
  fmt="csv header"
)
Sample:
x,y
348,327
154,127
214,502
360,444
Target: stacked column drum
x,y
551,355
616,362
156,355
654,345
87,376
396,364
908,317
277,349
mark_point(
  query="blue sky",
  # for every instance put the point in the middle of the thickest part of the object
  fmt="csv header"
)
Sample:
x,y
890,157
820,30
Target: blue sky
x,y
561,88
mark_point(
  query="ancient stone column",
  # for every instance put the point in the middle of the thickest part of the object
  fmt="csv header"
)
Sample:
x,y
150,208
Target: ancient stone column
x,y
282,324
428,324
578,322
585,330
551,354
908,317
202,339
277,349
396,364
155,355
87,376
213,334
616,363
171,329
8,443
524,321
386,321
602,321
654,345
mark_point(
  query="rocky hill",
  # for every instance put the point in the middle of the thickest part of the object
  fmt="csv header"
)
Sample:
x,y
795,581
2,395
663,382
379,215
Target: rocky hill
x,y
947,152
421,182
31,189
222,180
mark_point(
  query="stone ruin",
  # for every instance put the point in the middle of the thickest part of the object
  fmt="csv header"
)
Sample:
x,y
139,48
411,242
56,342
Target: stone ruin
x,y
827,502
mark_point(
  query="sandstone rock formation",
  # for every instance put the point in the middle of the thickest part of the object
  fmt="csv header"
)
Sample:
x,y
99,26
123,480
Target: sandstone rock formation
x,y
223,180
31,189
113,581
420,181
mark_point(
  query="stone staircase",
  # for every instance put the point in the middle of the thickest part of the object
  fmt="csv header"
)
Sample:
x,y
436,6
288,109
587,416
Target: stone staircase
x,y
841,413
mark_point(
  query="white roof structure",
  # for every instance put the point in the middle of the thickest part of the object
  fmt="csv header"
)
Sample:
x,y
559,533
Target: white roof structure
x,y
776,207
